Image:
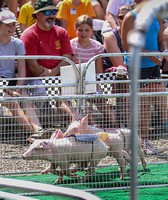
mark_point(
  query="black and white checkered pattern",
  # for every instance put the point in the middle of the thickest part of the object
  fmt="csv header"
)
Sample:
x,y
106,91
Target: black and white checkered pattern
x,y
51,91
3,83
54,82
106,88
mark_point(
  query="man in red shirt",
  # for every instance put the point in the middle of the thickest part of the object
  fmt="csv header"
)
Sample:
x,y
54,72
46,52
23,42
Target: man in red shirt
x,y
45,38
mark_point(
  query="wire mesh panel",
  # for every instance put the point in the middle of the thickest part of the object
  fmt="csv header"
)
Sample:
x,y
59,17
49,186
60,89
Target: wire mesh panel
x,y
97,117
107,88
53,90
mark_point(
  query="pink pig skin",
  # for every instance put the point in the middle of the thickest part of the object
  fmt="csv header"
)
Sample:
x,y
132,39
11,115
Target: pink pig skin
x,y
63,152
117,148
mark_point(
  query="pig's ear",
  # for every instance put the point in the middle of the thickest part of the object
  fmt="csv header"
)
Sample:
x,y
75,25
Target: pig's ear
x,y
84,121
31,140
57,134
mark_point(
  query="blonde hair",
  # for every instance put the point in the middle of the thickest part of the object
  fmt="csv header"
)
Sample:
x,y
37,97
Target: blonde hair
x,y
84,19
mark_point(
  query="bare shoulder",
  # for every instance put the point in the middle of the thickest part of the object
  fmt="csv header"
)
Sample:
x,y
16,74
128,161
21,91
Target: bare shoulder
x,y
109,34
166,31
129,17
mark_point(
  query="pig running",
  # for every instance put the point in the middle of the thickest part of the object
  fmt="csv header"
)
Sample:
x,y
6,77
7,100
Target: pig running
x,y
118,140
65,151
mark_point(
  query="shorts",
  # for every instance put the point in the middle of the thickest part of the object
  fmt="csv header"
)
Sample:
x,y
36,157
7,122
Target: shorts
x,y
12,83
36,91
150,73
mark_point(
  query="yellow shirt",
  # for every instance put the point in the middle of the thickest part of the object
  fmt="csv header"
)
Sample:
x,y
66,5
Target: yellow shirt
x,y
69,12
25,14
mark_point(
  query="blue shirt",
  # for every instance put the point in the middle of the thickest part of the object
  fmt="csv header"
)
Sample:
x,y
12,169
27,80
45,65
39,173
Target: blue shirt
x,y
151,43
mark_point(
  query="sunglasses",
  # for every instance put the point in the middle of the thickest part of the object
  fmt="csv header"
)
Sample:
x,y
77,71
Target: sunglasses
x,y
49,12
120,17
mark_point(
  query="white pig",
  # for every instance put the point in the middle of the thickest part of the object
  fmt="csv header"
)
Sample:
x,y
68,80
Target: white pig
x,y
63,152
118,140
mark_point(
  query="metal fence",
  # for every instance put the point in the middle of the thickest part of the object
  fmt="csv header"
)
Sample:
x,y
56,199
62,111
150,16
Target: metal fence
x,y
100,104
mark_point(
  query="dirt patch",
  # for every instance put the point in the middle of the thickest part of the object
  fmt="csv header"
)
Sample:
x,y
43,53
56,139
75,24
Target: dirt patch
x,y
12,162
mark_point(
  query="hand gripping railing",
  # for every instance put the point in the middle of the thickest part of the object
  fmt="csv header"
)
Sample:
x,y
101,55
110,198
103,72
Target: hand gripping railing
x,y
136,40
48,57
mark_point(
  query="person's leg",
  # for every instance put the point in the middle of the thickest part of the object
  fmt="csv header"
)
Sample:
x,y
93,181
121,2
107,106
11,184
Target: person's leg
x,y
62,109
30,111
161,106
19,115
145,120
145,109
122,104
144,113
65,110
108,114
160,102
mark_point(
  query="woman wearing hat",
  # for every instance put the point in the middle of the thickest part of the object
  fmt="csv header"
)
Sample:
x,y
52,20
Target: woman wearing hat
x,y
9,46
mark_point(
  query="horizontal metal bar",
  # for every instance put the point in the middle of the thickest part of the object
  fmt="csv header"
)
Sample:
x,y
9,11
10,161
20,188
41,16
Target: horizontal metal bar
x,y
46,188
10,196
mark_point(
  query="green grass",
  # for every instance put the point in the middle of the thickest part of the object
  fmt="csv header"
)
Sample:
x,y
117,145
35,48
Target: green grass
x,y
108,177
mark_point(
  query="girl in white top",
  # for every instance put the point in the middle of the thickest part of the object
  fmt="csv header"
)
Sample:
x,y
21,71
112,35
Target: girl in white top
x,y
83,46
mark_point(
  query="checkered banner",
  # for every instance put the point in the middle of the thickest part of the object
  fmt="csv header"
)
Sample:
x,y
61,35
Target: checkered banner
x,y
107,87
54,90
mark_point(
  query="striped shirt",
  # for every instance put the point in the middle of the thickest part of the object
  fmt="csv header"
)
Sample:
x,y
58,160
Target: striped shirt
x,y
85,53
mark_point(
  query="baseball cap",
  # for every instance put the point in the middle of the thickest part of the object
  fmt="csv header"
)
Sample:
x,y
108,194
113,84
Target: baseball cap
x,y
42,5
7,17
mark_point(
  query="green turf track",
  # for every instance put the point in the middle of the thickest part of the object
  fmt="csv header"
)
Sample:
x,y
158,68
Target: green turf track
x,y
108,177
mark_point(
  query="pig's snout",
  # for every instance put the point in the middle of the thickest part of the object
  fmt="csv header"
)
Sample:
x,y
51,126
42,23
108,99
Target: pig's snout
x,y
25,156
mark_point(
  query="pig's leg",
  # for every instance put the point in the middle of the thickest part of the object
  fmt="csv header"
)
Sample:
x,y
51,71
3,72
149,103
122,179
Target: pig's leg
x,y
90,170
60,175
46,170
65,170
126,157
51,168
121,163
142,158
82,165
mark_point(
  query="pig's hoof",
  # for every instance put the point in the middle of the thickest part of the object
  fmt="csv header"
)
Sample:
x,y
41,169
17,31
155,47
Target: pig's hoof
x,y
58,181
44,171
74,169
75,176
144,166
81,181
